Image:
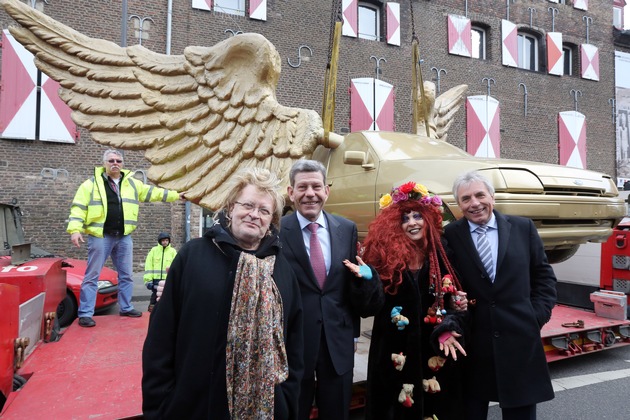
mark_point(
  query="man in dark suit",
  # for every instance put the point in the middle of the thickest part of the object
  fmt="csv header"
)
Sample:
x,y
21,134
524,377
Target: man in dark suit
x,y
511,292
316,244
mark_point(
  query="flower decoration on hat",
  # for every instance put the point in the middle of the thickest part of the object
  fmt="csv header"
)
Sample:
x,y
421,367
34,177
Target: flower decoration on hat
x,y
410,191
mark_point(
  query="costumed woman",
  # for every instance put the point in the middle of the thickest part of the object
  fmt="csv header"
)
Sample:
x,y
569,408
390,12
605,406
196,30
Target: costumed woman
x,y
417,338
226,339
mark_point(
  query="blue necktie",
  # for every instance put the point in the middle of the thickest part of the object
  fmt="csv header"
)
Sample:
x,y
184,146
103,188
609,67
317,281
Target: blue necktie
x,y
485,251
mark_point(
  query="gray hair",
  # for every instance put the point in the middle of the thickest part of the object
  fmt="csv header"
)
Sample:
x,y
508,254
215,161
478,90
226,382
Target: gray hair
x,y
305,165
467,179
264,180
112,152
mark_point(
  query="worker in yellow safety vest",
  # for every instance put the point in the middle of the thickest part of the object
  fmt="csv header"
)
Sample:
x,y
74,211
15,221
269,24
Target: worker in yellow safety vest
x,y
105,207
158,261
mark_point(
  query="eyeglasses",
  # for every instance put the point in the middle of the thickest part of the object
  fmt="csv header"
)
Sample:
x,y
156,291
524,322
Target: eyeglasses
x,y
250,207
115,161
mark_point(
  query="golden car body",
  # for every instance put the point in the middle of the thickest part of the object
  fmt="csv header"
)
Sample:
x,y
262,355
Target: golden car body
x,y
569,206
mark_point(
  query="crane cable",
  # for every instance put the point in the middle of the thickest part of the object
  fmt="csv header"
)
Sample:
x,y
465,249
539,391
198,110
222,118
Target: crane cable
x,y
418,83
330,79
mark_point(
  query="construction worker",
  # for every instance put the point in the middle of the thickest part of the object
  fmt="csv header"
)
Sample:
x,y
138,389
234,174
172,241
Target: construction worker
x,y
105,208
158,261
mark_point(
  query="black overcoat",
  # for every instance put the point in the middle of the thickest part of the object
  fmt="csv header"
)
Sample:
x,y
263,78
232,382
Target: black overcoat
x,y
417,341
506,316
183,357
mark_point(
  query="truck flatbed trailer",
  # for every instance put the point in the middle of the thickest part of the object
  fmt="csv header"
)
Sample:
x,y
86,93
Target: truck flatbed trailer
x,y
574,332
89,373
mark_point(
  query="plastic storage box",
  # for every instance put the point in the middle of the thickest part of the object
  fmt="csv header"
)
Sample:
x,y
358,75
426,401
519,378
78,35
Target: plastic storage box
x,y
610,304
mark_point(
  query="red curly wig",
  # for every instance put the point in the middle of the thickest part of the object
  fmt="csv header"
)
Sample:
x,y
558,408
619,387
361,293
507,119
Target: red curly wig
x,y
389,250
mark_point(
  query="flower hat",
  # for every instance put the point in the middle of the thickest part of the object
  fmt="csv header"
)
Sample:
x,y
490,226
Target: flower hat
x,y
410,191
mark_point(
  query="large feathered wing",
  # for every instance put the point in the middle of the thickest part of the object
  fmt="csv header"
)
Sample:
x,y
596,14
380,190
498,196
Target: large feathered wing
x,y
446,106
438,113
199,116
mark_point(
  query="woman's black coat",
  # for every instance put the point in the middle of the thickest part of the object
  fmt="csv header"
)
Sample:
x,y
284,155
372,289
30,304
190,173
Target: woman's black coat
x,y
184,368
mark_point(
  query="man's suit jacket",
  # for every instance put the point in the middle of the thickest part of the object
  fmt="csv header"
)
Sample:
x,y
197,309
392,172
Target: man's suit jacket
x,y
507,315
343,300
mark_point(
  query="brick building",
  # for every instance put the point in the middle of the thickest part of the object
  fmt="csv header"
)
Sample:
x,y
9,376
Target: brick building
x,y
43,175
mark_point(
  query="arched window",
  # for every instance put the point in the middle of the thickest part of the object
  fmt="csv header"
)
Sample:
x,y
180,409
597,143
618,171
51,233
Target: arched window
x,y
369,19
479,42
569,56
527,51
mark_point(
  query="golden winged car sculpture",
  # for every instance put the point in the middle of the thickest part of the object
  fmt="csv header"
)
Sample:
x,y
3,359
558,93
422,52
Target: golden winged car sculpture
x,y
199,116
204,114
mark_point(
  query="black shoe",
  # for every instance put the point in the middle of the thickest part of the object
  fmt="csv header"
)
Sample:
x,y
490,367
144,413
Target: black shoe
x,y
132,313
86,321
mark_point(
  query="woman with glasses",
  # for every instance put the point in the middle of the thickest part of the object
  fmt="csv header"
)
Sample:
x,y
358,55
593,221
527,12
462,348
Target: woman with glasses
x,y
225,341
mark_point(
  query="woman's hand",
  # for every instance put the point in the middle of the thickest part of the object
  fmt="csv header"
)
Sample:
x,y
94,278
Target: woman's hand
x,y
362,270
459,301
450,345
159,289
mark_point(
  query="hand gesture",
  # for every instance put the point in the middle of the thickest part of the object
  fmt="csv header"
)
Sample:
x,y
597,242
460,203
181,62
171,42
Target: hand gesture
x,y
450,345
362,270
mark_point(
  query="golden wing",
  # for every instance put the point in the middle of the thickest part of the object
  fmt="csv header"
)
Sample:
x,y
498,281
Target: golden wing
x,y
199,116
425,109
438,112
446,106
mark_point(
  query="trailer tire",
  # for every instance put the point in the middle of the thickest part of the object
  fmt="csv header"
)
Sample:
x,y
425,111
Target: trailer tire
x,y
609,338
67,310
18,382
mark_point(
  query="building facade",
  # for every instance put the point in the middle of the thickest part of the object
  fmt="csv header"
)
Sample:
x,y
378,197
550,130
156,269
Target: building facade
x,y
541,80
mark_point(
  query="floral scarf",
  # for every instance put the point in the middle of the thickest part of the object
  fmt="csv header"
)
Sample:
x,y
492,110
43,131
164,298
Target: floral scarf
x,y
256,359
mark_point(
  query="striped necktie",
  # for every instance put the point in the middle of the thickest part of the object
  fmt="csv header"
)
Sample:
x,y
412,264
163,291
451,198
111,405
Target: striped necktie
x,y
485,251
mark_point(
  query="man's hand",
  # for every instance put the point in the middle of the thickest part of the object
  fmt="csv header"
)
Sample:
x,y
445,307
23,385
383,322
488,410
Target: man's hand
x,y
159,289
76,239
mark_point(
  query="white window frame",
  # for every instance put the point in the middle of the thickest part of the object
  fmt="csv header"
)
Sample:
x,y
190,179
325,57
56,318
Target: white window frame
x,y
231,7
567,50
363,21
618,18
478,45
525,59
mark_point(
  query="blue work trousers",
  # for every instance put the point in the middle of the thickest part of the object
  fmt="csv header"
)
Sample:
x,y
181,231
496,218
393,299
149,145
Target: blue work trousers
x,y
121,250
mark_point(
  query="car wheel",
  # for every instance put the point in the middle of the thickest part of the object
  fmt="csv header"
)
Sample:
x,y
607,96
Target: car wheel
x,y
556,256
67,310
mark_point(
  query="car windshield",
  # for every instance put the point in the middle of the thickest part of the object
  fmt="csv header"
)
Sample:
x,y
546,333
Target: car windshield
x,y
399,146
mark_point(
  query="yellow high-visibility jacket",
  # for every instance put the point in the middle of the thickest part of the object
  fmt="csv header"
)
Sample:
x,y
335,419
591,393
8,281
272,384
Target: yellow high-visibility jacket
x,y
159,259
89,207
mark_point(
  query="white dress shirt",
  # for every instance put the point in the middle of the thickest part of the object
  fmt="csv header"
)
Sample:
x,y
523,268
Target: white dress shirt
x,y
322,234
